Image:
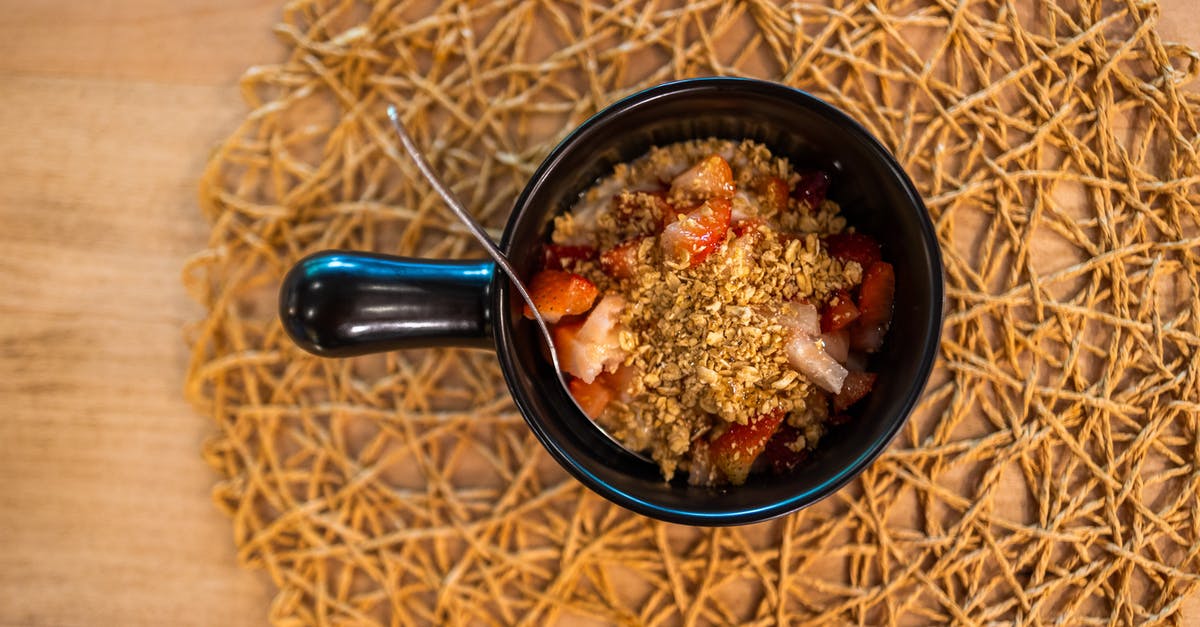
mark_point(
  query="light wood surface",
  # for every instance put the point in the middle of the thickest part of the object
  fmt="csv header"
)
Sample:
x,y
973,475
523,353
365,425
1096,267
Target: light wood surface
x,y
107,113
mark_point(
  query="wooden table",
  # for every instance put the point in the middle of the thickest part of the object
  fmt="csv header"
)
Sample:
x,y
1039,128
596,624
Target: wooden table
x,y
107,113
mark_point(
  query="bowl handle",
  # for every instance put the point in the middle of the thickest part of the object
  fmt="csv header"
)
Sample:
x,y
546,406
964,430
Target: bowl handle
x,y
341,304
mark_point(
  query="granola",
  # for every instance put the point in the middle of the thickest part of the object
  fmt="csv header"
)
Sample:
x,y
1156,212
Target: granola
x,y
727,309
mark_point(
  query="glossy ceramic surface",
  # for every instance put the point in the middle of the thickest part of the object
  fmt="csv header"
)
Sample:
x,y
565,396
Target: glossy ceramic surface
x,y
341,304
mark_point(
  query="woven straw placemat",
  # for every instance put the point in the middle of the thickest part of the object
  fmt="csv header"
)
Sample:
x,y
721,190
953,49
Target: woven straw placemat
x,y
1050,473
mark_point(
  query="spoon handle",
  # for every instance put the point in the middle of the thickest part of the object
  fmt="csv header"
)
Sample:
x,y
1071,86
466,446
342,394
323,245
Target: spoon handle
x,y
476,230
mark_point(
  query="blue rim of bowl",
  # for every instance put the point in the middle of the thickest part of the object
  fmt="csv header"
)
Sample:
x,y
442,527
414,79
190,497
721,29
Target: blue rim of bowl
x,y
800,500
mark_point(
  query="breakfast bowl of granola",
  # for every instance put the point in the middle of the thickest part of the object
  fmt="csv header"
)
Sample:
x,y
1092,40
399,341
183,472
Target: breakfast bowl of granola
x,y
743,287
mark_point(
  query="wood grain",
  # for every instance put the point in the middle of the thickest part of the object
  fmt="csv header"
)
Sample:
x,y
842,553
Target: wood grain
x,y
105,515
108,111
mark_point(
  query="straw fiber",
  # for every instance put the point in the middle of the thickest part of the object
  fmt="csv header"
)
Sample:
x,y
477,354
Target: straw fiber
x,y
1050,473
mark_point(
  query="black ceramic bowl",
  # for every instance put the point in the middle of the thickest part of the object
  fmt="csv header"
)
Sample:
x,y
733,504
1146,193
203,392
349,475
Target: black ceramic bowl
x,y
339,304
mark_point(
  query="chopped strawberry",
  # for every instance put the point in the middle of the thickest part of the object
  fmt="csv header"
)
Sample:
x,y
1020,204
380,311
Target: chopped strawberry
x,y
710,178
592,397
854,247
775,193
875,298
623,381
565,332
558,256
735,450
811,188
780,454
839,312
588,348
702,230
620,260
856,386
557,293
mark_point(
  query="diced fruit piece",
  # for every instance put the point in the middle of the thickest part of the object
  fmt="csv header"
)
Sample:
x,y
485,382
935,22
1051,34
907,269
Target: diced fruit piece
x,y
710,178
592,397
876,295
558,256
856,386
557,293
775,194
691,239
620,260
604,318
839,312
782,454
811,188
858,247
805,354
565,333
616,385
837,344
596,344
623,382
702,471
734,451
799,318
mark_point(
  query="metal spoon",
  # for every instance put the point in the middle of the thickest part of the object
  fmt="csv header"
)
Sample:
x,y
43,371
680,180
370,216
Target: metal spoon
x,y
494,251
